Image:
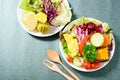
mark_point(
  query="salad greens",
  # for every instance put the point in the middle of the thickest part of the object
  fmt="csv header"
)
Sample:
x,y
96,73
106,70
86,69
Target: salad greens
x,y
25,4
93,37
86,20
32,1
57,11
31,5
64,14
56,2
65,47
105,27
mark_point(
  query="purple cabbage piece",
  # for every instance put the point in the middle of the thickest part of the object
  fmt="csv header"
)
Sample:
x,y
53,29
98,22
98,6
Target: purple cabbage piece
x,y
110,46
92,28
50,10
81,32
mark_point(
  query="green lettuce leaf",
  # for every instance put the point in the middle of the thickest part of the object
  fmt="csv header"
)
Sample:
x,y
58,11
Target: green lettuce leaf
x,y
25,5
64,14
85,20
65,48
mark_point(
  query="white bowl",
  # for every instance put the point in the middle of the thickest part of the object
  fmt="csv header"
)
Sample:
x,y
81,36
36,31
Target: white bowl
x,y
102,64
53,30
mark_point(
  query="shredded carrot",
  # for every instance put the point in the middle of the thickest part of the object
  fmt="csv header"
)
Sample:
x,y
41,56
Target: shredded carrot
x,y
107,41
83,42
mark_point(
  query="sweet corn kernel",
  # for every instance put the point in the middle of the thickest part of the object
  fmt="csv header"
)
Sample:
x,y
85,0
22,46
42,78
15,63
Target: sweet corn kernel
x,y
43,28
41,17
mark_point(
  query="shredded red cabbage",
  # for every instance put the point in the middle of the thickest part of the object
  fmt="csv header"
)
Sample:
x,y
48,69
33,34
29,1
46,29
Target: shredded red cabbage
x,y
50,9
110,46
92,28
83,30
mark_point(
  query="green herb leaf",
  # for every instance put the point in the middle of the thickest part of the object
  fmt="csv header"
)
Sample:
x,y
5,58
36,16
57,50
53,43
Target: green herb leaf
x,y
90,53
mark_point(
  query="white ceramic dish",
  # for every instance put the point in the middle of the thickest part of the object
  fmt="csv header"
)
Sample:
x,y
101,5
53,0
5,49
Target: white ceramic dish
x,y
102,64
53,30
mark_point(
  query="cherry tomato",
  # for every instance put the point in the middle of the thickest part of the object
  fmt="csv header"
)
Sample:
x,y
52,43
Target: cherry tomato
x,y
69,59
87,65
95,65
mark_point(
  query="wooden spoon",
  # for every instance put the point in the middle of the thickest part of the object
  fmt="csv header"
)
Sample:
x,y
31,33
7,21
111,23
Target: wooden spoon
x,y
55,57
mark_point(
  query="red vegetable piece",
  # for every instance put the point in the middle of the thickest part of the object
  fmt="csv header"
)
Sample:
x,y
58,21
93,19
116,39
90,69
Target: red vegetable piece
x,y
95,65
69,59
87,65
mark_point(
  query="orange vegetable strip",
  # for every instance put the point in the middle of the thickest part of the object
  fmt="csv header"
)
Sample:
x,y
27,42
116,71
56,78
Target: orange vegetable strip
x,y
83,42
107,41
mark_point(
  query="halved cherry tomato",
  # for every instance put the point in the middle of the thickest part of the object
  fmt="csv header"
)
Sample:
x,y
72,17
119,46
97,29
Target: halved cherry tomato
x,y
87,65
69,59
95,65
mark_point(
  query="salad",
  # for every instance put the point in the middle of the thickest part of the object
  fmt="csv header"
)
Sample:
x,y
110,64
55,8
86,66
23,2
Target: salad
x,y
40,15
87,43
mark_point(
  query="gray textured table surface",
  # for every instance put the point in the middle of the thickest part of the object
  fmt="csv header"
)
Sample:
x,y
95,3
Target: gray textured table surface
x,y
21,54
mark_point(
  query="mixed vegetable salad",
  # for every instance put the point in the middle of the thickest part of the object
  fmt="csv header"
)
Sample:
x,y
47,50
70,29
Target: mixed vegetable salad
x,y
87,42
40,15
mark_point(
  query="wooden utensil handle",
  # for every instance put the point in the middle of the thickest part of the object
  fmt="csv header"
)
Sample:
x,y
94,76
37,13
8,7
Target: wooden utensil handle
x,y
65,75
71,73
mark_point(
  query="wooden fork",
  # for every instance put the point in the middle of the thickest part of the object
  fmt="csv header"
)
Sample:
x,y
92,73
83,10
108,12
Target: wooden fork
x,y
55,68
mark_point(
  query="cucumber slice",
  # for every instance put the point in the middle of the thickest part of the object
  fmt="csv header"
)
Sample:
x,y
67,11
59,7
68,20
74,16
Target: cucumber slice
x,y
97,39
